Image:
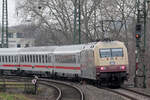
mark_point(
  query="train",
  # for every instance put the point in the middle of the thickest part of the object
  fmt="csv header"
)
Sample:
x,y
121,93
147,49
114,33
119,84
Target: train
x,y
100,62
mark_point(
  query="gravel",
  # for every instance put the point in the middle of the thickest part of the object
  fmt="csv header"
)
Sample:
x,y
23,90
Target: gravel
x,y
94,93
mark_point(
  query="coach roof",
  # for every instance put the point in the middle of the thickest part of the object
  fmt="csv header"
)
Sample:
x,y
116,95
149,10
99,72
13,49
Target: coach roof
x,y
9,51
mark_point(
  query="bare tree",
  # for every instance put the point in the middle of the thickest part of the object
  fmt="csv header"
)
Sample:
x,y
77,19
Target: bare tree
x,y
98,17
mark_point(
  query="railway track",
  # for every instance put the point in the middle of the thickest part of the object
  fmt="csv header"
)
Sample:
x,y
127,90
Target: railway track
x,y
68,91
147,97
129,94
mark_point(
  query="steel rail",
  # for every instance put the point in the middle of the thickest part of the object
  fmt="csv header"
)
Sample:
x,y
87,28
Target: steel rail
x,y
140,93
66,84
58,89
119,93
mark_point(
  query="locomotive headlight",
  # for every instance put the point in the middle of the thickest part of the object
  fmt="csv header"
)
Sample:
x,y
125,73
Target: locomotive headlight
x,y
102,68
123,67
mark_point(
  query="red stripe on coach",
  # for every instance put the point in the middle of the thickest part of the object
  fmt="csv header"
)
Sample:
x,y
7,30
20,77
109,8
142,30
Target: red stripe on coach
x,y
9,65
40,66
50,66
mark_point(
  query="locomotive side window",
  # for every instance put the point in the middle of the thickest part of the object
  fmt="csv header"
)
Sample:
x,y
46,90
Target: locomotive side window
x,y
65,58
105,53
117,52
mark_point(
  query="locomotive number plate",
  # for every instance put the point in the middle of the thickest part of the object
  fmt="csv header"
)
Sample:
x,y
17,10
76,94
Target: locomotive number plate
x,y
112,62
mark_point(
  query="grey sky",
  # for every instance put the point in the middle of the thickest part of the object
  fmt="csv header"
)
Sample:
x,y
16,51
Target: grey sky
x,y
12,18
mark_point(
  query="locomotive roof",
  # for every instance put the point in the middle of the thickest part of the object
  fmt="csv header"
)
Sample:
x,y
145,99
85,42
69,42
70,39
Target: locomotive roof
x,y
111,44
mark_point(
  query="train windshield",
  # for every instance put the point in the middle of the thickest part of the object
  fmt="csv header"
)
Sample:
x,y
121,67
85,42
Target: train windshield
x,y
117,52
111,52
105,53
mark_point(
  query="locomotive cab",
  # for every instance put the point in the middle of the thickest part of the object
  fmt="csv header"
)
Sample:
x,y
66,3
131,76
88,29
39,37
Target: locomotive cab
x,y
111,62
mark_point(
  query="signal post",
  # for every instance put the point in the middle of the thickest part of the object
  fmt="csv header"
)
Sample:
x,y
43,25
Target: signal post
x,y
140,36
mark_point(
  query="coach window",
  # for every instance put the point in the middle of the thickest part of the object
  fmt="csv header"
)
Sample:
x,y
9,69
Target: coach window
x,y
5,58
15,59
25,58
33,58
49,59
46,58
37,58
2,58
11,58
22,58
28,58
8,58
42,58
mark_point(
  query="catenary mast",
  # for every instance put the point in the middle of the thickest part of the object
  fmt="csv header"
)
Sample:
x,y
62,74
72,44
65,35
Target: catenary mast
x,y
4,35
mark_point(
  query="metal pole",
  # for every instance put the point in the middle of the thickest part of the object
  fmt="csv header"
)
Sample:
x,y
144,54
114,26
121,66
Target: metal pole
x,y
79,23
145,15
136,52
75,22
4,38
141,42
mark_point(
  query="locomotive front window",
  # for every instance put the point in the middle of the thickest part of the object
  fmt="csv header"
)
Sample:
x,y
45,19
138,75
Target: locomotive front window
x,y
105,53
111,52
117,52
